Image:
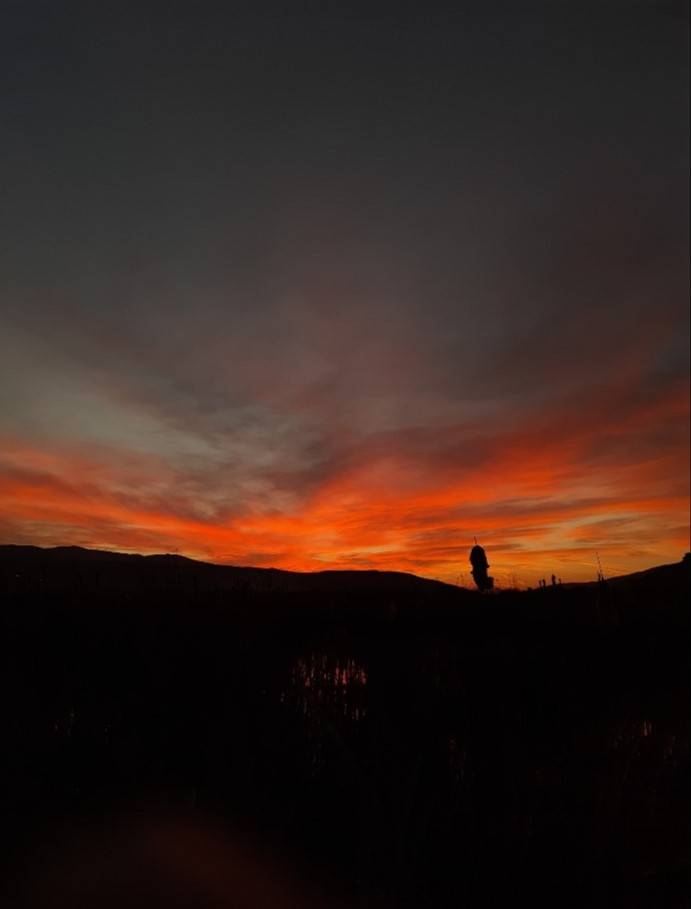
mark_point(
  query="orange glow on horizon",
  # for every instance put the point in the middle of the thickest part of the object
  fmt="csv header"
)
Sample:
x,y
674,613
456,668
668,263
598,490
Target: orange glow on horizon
x,y
538,503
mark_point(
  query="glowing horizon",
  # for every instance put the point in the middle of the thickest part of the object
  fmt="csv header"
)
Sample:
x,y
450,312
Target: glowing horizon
x,y
540,502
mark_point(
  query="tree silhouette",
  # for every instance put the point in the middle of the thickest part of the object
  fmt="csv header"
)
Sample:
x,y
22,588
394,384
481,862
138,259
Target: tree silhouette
x,y
478,559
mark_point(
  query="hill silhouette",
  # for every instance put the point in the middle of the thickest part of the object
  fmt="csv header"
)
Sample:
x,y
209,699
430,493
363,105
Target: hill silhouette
x,y
62,565
76,571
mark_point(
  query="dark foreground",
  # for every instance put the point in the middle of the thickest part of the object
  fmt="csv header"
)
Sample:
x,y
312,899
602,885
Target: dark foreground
x,y
191,743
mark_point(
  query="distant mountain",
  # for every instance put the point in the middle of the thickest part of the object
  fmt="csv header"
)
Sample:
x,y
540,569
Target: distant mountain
x,y
91,575
73,566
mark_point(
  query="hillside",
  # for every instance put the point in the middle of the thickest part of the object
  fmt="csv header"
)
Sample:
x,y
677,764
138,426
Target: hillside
x,y
96,577
413,721
31,567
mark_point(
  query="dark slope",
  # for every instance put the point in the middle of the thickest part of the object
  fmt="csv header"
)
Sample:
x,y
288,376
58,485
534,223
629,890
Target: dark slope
x,y
23,567
66,567
402,744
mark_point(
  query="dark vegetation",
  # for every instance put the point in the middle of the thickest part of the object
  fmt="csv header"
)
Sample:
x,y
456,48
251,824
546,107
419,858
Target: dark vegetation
x,y
396,742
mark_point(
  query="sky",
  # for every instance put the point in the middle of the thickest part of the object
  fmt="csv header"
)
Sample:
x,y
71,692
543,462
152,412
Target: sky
x,y
321,285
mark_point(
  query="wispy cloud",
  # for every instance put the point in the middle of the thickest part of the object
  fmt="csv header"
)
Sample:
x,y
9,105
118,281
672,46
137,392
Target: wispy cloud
x,y
542,498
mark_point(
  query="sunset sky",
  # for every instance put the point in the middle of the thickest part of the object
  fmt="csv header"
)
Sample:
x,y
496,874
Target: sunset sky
x,y
290,285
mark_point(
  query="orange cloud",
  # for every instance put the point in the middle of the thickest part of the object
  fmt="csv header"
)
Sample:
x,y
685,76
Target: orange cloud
x,y
541,498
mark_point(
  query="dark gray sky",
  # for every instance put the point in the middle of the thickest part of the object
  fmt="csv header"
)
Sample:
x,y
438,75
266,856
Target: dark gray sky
x,y
288,284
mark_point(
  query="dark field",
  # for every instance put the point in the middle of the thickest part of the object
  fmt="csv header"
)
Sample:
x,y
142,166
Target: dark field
x,y
180,738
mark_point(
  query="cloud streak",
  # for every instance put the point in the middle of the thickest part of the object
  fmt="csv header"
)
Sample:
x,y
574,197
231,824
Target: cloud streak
x,y
541,498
